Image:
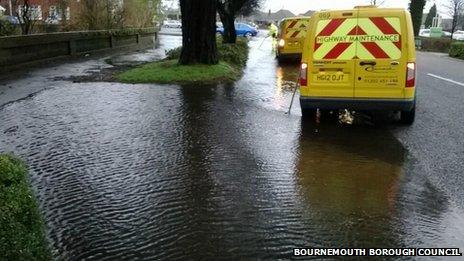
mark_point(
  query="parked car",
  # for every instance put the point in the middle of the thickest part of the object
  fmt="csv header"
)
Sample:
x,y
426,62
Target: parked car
x,y
446,34
424,32
12,19
172,24
458,35
242,29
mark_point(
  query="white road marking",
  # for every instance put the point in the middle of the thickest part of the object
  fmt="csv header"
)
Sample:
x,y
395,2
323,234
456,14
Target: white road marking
x,y
445,79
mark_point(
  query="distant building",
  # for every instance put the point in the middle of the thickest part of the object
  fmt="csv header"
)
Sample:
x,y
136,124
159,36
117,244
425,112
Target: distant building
x,y
172,14
446,23
308,13
41,9
263,18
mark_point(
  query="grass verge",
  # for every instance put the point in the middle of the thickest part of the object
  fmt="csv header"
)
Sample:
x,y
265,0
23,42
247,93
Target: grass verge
x,y
22,231
233,58
170,71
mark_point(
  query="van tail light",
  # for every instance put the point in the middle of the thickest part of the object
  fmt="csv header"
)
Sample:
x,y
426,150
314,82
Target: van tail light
x,y
411,75
304,74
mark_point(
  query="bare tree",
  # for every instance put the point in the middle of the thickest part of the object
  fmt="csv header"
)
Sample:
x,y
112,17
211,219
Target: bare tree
x,y
63,6
140,13
26,13
99,14
377,2
455,9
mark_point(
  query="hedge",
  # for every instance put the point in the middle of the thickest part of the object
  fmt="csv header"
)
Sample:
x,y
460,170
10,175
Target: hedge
x,y
457,50
435,44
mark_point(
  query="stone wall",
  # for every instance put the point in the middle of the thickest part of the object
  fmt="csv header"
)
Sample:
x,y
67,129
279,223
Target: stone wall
x,y
16,51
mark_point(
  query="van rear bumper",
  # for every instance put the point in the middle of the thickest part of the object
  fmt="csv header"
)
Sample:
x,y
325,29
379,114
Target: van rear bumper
x,y
356,104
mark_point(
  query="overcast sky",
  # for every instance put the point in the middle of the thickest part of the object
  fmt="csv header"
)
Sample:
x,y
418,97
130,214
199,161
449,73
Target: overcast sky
x,y
301,6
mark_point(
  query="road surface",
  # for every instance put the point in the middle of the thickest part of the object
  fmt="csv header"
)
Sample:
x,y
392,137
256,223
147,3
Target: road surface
x,y
163,171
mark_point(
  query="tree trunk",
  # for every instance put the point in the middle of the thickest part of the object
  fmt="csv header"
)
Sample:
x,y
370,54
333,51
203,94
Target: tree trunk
x,y
416,8
228,21
198,32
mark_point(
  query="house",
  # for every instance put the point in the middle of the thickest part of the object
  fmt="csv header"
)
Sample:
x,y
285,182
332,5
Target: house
x,y
308,13
172,14
41,9
263,18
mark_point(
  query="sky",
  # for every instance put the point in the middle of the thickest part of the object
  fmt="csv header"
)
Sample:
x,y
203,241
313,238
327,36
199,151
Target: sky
x,y
301,6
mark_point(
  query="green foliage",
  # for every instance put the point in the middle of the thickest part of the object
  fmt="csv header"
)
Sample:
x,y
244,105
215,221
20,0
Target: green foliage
x,y
436,44
234,54
173,54
457,50
432,13
170,71
6,28
22,235
416,7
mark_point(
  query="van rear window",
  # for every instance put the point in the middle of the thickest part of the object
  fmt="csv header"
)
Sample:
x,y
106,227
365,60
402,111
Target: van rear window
x,y
364,38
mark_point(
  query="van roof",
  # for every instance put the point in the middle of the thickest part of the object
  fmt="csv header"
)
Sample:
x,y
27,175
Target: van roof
x,y
296,18
362,7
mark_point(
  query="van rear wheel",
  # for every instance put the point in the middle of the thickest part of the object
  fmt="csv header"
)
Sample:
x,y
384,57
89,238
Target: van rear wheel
x,y
408,117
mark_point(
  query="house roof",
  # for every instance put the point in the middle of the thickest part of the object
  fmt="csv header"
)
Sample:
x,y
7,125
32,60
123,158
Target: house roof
x,y
277,16
308,13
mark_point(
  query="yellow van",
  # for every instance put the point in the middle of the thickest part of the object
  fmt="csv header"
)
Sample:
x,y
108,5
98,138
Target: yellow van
x,y
360,59
291,37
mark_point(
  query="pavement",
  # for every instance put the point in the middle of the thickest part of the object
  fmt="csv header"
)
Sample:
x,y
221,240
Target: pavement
x,y
206,172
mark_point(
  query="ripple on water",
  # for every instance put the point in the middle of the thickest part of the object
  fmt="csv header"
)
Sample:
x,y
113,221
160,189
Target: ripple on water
x,y
165,172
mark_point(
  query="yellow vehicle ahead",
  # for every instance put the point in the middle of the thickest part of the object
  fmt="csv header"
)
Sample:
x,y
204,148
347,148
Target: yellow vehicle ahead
x,y
291,37
360,59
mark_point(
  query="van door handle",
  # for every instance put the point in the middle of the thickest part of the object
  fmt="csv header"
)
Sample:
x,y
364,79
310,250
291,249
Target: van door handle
x,y
367,63
395,63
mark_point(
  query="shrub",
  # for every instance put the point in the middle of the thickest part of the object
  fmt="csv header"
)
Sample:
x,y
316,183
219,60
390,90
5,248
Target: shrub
x,y
457,50
22,235
173,54
436,44
6,27
234,54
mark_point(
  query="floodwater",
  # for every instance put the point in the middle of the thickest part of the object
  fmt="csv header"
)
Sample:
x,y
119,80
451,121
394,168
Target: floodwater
x,y
208,172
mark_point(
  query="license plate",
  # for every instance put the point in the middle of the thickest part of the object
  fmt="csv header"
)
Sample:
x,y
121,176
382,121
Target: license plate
x,y
331,77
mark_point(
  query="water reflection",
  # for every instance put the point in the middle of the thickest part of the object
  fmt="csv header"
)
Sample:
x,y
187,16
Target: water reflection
x,y
349,178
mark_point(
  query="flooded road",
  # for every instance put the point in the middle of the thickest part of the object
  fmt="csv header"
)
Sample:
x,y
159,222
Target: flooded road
x,y
169,172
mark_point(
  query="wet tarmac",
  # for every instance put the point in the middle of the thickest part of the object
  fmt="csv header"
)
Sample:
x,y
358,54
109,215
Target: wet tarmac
x,y
172,172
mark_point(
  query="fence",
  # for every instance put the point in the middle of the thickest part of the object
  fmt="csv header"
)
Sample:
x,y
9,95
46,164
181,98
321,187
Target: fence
x,y
19,50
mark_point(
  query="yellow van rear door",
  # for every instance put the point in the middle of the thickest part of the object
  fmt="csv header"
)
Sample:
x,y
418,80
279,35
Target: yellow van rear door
x,y
331,72
380,59
295,33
